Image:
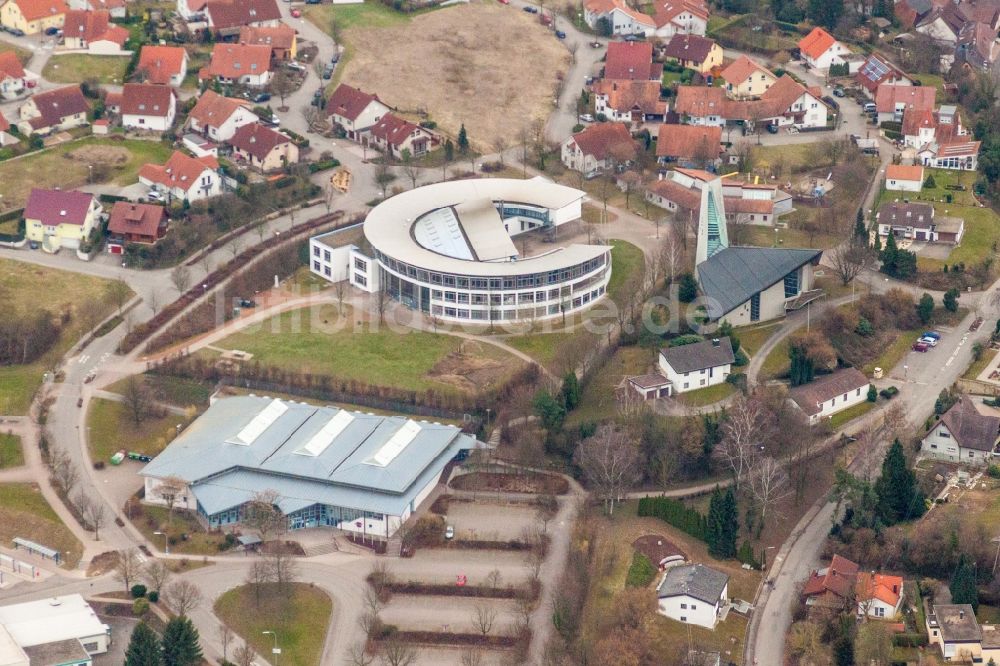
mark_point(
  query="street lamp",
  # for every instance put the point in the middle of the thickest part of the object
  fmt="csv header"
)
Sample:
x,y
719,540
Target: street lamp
x,y
166,541
275,650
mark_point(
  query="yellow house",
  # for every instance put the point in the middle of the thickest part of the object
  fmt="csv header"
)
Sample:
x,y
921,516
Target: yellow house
x,y
694,52
32,16
745,79
60,218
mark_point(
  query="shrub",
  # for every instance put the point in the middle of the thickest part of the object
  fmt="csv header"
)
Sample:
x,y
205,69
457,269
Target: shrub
x,y
577,128
140,607
872,393
641,572
153,596
138,591
994,471
674,513
323,165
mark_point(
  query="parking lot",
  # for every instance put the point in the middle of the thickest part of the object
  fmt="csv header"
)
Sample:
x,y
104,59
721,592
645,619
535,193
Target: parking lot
x,y
454,614
443,565
453,657
484,520
121,631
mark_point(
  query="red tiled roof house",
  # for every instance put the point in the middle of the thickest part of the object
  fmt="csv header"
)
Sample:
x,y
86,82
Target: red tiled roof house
x,y
831,586
689,145
247,64
879,595
226,17
163,65
393,134
60,218
698,53
745,78
820,50
281,39
680,17
53,110
184,177
597,147
32,16
93,32
263,148
11,75
218,117
145,106
632,60
135,223
629,101
354,110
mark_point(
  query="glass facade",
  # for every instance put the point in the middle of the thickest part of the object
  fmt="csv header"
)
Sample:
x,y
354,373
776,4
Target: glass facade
x,y
315,515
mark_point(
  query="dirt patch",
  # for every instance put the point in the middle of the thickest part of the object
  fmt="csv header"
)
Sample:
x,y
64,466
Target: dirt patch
x,y
286,547
107,155
467,370
486,65
103,563
512,483
657,548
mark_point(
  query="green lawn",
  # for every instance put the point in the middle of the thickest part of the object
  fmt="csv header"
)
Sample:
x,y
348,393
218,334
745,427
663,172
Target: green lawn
x,y
11,453
776,364
627,261
543,347
753,338
707,395
112,428
177,391
978,366
840,419
23,54
66,166
598,400
895,352
301,341
299,621
76,67
150,519
81,295
25,513
366,15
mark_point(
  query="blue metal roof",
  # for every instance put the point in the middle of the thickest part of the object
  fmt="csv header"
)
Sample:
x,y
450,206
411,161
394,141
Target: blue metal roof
x,y
307,454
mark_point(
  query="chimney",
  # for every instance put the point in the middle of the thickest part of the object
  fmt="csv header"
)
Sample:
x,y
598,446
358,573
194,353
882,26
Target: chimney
x,y
961,614
716,342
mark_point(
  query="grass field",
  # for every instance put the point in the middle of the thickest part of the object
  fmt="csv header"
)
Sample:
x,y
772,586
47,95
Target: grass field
x,y
301,341
149,519
840,419
978,366
299,621
11,453
76,67
776,364
111,428
23,54
65,166
707,395
895,352
627,261
440,63
25,513
176,391
598,400
83,296
753,338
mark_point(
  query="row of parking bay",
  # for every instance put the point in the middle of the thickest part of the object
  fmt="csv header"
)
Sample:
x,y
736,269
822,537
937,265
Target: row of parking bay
x,y
480,520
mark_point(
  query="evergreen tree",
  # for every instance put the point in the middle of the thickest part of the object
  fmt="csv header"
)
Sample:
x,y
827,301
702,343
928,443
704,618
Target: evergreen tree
x,y
801,369
730,523
860,231
549,410
449,151
463,140
726,331
570,391
888,255
950,300
843,652
929,182
713,527
925,308
877,245
688,289
898,497
872,393
180,643
143,648
963,584
825,12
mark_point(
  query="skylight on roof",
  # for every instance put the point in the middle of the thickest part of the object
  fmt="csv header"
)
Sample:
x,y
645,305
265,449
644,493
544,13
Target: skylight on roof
x,y
259,423
396,444
319,442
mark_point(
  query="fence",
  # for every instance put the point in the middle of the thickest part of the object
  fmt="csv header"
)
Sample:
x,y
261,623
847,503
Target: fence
x,y
14,565
978,387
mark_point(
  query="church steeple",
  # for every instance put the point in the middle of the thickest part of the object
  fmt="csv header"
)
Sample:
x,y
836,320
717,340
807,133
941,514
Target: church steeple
x,y
712,234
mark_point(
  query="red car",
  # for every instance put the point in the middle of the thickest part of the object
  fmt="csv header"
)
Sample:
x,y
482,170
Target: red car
x,y
296,13
921,346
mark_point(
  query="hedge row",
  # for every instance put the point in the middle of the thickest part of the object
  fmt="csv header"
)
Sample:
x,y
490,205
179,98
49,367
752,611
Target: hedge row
x,y
453,638
453,590
674,513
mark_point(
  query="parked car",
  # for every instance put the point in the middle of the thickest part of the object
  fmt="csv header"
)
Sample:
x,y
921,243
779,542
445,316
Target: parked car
x,y
261,97
772,129
273,121
870,107
586,117
930,342
921,347
449,532
931,334
155,195
839,92
633,38
298,66
50,32
831,102
530,9
328,72
33,245
504,2
313,2
560,34
17,32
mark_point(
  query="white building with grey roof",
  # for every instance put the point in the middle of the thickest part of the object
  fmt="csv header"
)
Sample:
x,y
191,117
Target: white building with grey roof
x,y
698,365
693,594
328,466
448,250
57,630
744,285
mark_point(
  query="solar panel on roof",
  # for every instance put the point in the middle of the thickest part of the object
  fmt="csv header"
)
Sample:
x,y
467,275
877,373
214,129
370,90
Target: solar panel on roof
x,y
260,423
874,69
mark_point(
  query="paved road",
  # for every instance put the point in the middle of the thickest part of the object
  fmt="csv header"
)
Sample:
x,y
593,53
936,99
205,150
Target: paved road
x,y
920,378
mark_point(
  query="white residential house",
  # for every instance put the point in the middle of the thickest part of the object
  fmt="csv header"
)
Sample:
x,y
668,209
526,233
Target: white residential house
x,y
963,435
591,150
184,177
902,178
879,595
11,75
698,365
693,594
354,111
148,107
680,17
218,117
820,50
624,20
828,394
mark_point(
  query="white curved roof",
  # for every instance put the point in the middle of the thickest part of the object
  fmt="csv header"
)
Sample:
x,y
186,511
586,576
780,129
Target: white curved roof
x,y
389,226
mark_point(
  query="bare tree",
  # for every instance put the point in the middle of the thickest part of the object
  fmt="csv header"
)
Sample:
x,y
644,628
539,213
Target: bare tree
x,y
156,573
94,513
127,567
381,302
180,276
383,175
743,433
136,399
226,637
262,515
118,293
769,485
207,263
283,85
359,655
548,507
500,145
410,170
397,653
259,575
182,596
850,259
170,488
284,569
493,579
610,462
472,657
153,300
64,472
236,246
244,655
483,618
